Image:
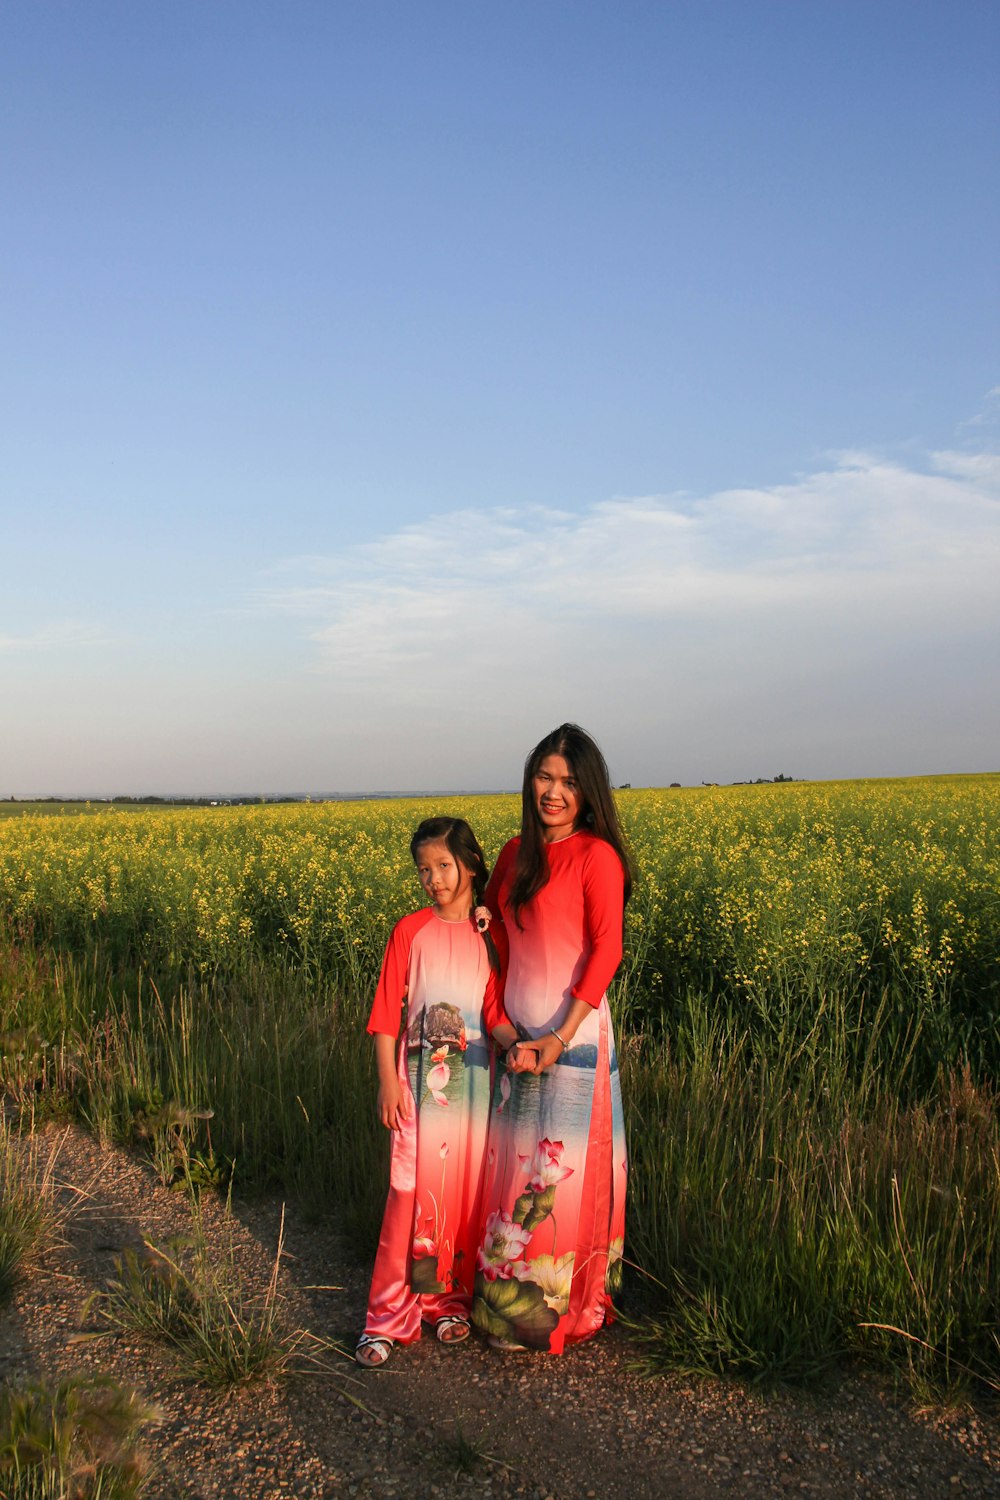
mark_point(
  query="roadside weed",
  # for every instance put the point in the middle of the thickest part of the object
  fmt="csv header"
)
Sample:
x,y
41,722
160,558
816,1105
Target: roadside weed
x,y
28,1207
76,1439
194,1301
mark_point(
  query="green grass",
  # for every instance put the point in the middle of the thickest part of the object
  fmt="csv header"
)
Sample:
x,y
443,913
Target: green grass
x,y
789,1208
786,1217
262,1072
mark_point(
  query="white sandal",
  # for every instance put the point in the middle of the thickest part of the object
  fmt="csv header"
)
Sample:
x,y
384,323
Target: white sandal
x,y
372,1350
451,1330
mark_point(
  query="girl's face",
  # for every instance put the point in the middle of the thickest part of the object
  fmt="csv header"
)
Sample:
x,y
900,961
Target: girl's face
x,y
558,802
447,882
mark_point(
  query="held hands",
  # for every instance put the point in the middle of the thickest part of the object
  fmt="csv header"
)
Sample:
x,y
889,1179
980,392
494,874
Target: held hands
x,y
535,1057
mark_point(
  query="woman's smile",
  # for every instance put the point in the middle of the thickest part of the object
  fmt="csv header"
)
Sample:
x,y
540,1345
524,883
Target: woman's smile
x,y
557,798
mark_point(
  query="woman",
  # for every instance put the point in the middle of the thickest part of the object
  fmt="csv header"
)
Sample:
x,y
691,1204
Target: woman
x,y
555,1190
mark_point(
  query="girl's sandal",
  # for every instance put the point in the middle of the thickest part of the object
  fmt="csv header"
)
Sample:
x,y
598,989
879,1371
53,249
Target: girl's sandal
x,y
451,1330
372,1351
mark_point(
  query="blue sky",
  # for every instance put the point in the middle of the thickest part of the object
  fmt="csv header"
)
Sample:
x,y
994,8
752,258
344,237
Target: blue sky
x,y
385,383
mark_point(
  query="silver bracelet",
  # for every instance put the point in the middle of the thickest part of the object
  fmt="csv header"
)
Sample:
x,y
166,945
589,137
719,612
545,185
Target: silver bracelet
x,y
554,1032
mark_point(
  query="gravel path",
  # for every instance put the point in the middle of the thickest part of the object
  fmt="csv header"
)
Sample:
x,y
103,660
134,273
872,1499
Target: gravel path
x,y
581,1427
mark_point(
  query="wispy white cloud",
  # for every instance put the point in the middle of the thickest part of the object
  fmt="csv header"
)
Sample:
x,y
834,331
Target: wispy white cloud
x,y
983,468
55,635
825,615
863,539
989,414
844,623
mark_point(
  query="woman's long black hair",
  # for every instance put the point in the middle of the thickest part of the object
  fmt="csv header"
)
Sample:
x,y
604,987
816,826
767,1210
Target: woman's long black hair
x,y
598,815
463,846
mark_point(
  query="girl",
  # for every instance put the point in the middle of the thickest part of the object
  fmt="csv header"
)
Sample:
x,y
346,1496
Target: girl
x,y
445,962
552,1244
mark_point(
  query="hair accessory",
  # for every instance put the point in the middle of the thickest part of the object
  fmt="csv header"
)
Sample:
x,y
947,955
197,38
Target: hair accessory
x,y
482,916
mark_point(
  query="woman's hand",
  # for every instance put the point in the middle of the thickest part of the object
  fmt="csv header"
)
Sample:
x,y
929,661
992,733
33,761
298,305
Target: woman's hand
x,y
548,1049
394,1104
535,1055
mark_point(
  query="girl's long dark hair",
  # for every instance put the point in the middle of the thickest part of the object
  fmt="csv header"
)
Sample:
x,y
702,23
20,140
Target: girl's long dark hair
x,y
599,814
463,846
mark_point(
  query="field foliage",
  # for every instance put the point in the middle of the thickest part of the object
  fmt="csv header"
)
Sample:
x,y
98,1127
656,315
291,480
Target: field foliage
x,y
809,1008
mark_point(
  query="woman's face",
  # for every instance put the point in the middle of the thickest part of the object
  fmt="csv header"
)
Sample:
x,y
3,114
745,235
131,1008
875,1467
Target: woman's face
x,y
557,798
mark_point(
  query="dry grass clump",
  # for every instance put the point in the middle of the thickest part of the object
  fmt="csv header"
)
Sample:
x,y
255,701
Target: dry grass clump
x,y
180,1294
76,1439
29,1210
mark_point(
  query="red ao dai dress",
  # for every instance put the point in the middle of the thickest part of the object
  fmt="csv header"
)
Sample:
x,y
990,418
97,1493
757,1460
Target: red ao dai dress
x,y
550,1254
425,1263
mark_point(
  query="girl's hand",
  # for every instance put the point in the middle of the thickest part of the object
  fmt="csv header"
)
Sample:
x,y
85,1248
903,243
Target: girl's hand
x,y
504,1035
394,1106
521,1058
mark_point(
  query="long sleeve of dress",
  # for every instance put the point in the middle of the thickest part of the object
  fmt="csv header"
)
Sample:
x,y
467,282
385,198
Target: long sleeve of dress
x,y
604,901
387,1007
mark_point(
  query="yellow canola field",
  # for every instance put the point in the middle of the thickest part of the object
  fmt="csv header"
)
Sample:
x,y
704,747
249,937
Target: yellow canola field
x,y
752,889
